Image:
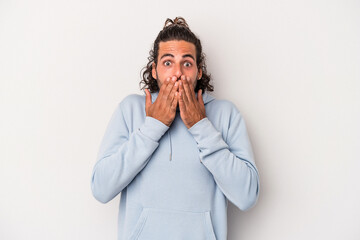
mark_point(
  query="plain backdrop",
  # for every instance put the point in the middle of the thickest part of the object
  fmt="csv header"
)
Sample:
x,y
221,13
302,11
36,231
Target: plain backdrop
x,y
291,67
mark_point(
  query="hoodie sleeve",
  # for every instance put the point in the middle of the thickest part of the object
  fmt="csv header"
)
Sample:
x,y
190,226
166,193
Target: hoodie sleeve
x,y
123,154
231,162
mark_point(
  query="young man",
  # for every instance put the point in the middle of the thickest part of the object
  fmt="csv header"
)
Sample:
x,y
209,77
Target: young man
x,y
177,155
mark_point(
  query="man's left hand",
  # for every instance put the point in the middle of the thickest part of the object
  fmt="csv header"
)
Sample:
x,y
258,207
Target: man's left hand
x,y
192,110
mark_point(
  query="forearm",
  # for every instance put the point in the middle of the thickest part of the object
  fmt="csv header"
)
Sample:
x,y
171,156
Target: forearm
x,y
120,160
235,174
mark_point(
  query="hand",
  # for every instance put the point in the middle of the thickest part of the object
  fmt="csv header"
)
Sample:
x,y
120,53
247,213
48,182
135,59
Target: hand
x,y
192,110
164,107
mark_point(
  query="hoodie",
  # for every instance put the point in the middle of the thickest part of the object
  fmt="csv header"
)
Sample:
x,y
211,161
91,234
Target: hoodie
x,y
175,182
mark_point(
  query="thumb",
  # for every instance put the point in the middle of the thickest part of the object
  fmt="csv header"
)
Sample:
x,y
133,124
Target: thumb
x,y
147,99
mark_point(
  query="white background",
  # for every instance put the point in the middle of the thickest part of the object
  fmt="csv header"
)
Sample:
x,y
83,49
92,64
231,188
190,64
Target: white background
x,y
291,67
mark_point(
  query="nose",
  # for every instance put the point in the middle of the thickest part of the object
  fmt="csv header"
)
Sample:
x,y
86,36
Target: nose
x,y
178,71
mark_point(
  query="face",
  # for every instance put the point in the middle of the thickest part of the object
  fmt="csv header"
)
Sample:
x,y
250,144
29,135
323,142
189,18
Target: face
x,y
176,58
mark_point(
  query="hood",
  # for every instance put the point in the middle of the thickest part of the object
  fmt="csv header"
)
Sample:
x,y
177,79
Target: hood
x,y
206,98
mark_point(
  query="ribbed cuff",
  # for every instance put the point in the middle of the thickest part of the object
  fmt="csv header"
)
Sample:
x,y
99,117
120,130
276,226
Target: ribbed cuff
x,y
201,127
153,128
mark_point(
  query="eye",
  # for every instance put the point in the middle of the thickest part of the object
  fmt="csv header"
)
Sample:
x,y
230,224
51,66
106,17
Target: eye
x,y
187,64
167,63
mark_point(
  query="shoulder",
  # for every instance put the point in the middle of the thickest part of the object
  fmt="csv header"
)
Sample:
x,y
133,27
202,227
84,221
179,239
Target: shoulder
x,y
223,106
131,103
224,115
131,100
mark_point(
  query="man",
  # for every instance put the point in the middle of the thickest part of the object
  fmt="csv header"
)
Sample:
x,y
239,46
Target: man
x,y
176,155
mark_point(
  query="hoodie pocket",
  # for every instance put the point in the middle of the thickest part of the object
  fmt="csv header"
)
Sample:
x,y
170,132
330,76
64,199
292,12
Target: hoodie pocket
x,y
160,224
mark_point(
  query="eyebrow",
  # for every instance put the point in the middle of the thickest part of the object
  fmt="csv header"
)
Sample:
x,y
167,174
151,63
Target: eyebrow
x,y
170,55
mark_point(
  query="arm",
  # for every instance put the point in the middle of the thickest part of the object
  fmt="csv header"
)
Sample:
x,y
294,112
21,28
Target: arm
x,y
119,159
231,162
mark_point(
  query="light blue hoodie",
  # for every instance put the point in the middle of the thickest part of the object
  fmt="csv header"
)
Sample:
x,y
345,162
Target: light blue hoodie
x,y
175,182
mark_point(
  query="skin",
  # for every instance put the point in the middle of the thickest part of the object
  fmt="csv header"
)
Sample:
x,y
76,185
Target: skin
x,y
176,73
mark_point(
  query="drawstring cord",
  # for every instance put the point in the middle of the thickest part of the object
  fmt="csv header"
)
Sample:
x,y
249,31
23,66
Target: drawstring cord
x,y
170,145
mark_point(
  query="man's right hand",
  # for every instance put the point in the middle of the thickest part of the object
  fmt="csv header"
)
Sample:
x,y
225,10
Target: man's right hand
x,y
164,107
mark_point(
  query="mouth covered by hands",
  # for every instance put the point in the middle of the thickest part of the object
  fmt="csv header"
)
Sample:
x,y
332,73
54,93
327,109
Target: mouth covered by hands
x,y
172,93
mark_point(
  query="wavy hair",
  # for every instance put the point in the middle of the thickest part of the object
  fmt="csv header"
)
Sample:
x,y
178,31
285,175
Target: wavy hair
x,y
176,29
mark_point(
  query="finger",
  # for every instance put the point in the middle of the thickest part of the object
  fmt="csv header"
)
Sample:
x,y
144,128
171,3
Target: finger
x,y
183,83
173,91
175,101
169,88
147,99
183,93
182,105
187,90
163,87
200,99
191,88
172,88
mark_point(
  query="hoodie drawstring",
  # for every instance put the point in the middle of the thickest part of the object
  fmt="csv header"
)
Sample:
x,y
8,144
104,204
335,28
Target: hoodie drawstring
x,y
170,155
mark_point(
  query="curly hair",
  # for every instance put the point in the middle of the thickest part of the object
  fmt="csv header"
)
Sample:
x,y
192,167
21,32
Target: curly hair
x,y
176,29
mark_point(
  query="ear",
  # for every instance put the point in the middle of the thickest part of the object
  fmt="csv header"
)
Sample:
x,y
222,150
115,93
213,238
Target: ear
x,y
199,74
153,71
